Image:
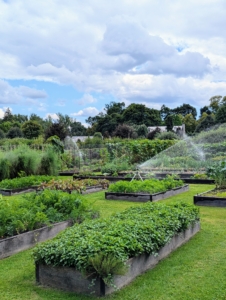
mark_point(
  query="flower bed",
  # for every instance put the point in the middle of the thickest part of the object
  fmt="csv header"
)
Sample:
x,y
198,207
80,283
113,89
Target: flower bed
x,y
105,248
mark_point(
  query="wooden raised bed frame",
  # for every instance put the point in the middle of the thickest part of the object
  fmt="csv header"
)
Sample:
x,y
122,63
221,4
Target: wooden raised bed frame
x,y
70,280
141,197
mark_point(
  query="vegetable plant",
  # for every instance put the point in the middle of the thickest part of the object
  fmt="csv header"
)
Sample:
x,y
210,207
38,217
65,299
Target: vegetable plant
x,y
99,246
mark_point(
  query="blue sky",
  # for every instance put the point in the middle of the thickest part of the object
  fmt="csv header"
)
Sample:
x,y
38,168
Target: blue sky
x,y
74,57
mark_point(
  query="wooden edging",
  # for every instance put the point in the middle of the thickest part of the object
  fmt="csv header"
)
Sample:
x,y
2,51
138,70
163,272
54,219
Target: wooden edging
x,y
202,200
24,241
139,197
69,279
11,192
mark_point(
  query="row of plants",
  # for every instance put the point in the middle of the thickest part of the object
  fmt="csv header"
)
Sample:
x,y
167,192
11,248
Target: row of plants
x,y
35,210
24,182
102,247
147,186
25,161
70,185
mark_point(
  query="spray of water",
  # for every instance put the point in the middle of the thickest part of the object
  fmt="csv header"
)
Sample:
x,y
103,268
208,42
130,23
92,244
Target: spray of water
x,y
193,154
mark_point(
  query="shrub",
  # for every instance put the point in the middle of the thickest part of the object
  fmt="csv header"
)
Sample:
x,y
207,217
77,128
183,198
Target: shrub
x,y
49,164
167,136
14,132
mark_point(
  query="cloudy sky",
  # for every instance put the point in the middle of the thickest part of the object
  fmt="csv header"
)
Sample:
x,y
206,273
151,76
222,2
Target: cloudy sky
x,y
74,56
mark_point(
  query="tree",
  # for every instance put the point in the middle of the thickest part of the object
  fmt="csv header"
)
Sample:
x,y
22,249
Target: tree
x,y
114,108
215,103
8,116
205,123
31,129
77,129
190,123
123,131
140,114
57,129
2,134
165,111
14,132
5,126
205,109
169,122
220,116
185,109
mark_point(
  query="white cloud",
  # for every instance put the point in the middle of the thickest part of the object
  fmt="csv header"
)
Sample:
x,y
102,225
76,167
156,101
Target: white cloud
x,y
87,98
86,112
53,116
172,52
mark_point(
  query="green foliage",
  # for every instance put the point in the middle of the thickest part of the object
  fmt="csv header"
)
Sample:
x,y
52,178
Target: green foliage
x,y
14,132
35,210
147,186
24,182
49,164
140,229
31,129
115,166
2,134
218,173
70,185
167,136
104,265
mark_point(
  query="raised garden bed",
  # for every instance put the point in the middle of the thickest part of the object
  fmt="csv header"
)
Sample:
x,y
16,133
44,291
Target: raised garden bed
x,y
11,192
23,241
69,279
144,197
210,198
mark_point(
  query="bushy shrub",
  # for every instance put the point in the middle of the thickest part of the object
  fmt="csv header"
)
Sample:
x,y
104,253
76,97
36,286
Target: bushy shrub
x,y
169,135
49,164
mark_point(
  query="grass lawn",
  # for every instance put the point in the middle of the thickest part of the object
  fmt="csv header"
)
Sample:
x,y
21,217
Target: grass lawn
x,y
197,270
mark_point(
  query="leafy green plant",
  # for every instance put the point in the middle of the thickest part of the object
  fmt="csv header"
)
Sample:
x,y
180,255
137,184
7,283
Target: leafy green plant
x,y
140,229
147,186
218,173
35,210
70,185
24,182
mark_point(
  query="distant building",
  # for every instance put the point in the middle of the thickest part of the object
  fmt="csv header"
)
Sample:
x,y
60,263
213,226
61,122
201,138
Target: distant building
x,y
180,129
81,138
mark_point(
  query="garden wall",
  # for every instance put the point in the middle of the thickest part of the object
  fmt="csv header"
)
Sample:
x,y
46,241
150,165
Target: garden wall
x,y
68,279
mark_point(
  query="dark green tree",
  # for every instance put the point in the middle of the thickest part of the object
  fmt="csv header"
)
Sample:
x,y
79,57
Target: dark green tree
x,y
57,129
140,114
220,116
31,129
14,132
184,110
206,123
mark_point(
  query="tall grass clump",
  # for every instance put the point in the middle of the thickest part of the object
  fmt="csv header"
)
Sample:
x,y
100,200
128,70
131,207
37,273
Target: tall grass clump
x,y
49,164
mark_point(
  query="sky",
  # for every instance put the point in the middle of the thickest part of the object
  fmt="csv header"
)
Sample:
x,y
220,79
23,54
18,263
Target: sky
x,y
73,57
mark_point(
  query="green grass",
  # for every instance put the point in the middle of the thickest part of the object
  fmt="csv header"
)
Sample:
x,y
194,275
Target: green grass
x,y
197,270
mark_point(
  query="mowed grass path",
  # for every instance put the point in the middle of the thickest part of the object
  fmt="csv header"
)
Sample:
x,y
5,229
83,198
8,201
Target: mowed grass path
x,y
195,271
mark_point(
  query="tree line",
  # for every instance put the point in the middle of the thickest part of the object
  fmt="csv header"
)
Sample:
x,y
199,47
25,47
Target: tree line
x,y
116,121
